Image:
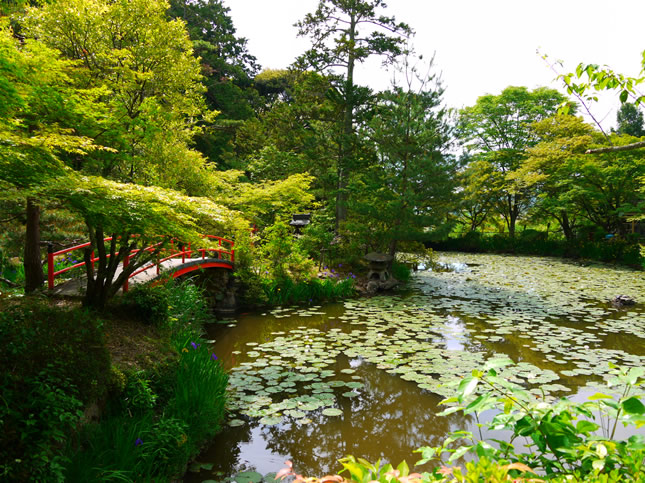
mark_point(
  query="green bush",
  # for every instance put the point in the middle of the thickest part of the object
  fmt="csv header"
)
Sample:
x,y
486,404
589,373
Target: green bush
x,y
148,303
401,271
532,242
163,416
53,363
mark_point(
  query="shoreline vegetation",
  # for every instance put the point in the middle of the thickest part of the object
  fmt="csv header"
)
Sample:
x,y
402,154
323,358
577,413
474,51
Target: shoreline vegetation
x,y
613,250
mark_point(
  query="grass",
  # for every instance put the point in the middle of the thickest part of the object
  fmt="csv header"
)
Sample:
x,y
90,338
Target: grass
x,y
286,291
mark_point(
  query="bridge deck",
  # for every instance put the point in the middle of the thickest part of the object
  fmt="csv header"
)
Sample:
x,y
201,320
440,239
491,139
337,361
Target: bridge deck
x,y
76,286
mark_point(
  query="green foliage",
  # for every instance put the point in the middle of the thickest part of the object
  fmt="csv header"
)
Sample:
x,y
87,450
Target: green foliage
x,y
401,271
612,251
497,131
282,256
163,416
564,441
143,73
227,67
406,191
629,120
247,269
594,77
138,394
344,34
43,390
148,303
286,291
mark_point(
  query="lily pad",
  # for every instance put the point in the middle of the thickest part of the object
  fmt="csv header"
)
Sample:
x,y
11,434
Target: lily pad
x,y
332,412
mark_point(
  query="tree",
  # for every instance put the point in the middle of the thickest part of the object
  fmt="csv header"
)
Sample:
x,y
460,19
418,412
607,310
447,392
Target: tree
x,y
339,30
39,109
141,66
496,132
296,135
410,185
477,195
134,217
630,120
552,168
228,69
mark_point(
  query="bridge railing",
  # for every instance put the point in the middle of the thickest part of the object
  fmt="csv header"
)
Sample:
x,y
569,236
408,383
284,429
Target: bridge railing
x,y
224,251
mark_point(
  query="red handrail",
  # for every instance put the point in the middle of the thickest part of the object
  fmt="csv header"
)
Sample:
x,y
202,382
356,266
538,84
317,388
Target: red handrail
x,y
51,255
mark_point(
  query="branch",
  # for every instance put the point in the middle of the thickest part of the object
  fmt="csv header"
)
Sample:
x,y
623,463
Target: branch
x,y
9,282
613,149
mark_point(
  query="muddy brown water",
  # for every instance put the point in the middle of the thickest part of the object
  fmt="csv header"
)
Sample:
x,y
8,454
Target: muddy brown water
x,y
501,305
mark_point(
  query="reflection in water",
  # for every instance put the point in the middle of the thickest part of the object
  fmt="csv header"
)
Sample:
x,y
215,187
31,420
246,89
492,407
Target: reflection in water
x,y
391,416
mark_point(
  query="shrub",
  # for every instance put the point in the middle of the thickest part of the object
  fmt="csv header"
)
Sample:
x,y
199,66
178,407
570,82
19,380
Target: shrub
x,y
532,242
148,303
401,271
163,416
52,363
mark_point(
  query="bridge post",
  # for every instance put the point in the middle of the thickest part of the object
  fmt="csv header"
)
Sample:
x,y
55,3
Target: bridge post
x,y
126,261
50,266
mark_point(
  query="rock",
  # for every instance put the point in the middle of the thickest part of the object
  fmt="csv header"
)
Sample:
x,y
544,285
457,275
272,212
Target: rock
x,y
372,287
622,301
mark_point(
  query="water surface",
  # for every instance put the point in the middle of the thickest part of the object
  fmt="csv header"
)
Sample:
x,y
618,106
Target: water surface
x,y
364,377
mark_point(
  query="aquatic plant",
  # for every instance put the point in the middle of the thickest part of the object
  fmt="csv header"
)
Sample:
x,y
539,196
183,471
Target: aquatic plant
x,y
286,291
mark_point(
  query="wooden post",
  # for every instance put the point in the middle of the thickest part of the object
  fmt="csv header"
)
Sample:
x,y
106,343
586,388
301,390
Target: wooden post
x,y
126,284
50,266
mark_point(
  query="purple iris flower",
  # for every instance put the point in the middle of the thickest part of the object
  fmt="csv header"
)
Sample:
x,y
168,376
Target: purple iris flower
x,y
138,442
195,346
213,356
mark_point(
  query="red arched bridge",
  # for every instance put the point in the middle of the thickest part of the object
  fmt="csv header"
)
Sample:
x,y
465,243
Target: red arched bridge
x,y
175,260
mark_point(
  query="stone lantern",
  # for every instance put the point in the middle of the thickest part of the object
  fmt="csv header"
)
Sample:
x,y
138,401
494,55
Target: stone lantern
x,y
379,266
299,221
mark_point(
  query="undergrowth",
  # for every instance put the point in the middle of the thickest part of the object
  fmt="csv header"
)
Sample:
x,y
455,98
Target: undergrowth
x,y
159,418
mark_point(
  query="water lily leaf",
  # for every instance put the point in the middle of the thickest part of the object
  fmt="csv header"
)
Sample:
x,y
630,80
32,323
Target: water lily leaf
x,y
248,477
332,412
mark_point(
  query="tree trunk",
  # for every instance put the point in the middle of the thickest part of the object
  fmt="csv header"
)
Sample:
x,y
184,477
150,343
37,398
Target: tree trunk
x,y
34,276
566,226
342,195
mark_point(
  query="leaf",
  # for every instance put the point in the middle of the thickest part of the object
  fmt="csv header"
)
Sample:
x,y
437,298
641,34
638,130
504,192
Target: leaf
x,y
633,406
459,452
586,426
248,477
599,396
403,468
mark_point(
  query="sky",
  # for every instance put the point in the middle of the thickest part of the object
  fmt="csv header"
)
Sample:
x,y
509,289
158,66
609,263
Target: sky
x,y
480,46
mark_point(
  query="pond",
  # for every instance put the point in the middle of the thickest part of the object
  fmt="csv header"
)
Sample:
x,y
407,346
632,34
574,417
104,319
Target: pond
x,y
364,377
